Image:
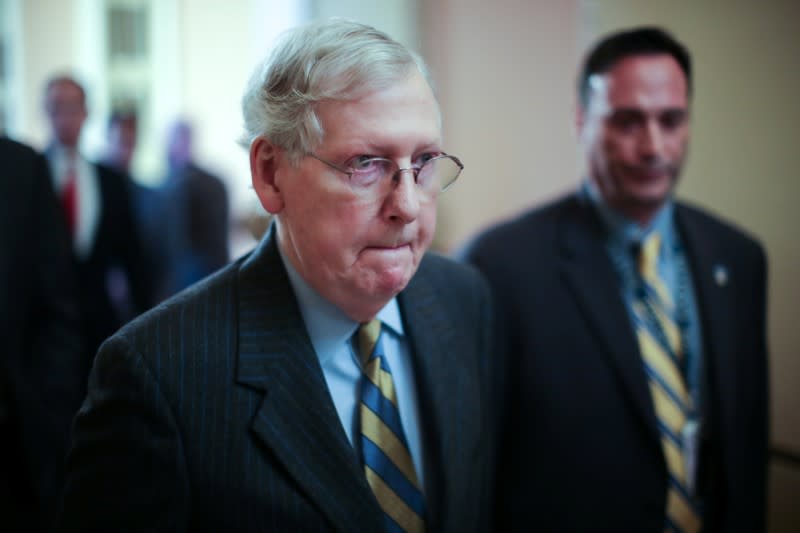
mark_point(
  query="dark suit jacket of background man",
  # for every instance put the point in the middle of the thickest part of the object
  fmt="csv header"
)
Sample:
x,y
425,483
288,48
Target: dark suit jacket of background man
x,y
194,216
39,360
582,449
211,412
116,261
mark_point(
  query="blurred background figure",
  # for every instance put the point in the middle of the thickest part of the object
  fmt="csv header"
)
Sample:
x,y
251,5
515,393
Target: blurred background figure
x,y
95,201
626,364
194,216
122,135
40,360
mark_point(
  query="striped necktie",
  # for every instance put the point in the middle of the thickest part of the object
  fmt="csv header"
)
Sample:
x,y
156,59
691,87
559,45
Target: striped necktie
x,y
387,460
662,352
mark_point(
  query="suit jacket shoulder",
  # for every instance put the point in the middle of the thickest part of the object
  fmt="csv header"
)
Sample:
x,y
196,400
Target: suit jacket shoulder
x,y
716,229
535,223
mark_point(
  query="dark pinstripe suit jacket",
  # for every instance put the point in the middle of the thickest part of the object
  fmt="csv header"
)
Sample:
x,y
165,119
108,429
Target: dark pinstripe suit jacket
x,y
211,412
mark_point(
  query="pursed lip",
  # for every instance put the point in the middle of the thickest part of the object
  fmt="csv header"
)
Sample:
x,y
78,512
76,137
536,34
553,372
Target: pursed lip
x,y
381,248
651,172
389,247
390,243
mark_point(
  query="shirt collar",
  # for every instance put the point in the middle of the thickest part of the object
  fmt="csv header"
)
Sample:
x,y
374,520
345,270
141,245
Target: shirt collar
x,y
623,231
327,325
61,153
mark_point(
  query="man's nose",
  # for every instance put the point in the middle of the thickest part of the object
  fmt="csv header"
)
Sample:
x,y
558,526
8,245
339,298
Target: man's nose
x,y
404,200
652,142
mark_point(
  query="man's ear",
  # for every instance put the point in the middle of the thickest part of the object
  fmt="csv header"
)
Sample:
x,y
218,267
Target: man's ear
x,y
580,119
264,159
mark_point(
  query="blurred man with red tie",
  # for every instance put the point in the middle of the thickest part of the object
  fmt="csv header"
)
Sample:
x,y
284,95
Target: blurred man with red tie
x,y
112,278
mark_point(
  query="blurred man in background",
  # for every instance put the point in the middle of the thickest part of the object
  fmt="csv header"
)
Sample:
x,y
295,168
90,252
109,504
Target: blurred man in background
x,y
194,216
40,360
121,143
146,201
636,359
95,203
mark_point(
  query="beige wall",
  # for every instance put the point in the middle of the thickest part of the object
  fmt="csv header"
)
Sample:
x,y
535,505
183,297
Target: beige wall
x,y
506,72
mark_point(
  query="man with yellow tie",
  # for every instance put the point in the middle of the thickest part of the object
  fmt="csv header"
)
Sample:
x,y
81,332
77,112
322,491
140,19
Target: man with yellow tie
x,y
335,379
634,327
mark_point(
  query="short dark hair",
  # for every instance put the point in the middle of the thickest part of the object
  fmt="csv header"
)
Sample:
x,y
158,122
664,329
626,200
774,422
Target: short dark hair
x,y
67,80
647,40
122,114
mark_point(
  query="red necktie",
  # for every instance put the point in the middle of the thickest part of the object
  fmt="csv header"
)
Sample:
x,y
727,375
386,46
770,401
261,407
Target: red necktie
x,y
69,197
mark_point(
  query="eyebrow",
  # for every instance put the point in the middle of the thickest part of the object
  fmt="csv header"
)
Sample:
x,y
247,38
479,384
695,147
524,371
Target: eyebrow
x,y
386,148
640,111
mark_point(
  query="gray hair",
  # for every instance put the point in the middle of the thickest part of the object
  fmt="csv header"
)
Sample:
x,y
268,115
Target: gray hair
x,y
336,59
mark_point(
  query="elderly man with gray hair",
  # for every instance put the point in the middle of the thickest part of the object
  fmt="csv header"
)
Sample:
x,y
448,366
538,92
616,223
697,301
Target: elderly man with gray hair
x,y
335,379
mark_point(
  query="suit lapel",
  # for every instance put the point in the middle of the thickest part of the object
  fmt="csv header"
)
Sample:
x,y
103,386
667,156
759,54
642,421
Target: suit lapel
x,y
444,387
712,278
593,282
297,420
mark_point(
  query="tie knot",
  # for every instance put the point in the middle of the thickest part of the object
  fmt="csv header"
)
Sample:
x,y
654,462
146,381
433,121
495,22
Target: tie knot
x,y
648,256
70,169
368,334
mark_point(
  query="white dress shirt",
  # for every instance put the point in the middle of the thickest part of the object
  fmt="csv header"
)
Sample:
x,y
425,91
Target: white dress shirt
x,y
89,204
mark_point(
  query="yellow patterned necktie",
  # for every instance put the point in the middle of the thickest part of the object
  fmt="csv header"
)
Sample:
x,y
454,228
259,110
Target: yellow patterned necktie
x,y
662,352
387,460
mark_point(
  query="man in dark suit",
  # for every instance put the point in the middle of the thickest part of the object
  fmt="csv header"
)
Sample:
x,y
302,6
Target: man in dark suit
x,y
41,342
244,404
194,216
112,272
635,352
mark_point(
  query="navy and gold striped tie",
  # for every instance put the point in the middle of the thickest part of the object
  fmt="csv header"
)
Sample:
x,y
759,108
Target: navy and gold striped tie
x,y
662,352
387,461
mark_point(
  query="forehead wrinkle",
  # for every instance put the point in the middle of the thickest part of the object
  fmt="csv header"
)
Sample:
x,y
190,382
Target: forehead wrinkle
x,y
371,137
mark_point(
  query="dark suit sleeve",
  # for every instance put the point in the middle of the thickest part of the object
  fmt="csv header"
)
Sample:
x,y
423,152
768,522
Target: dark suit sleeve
x,y
500,385
208,230
125,469
759,434
135,258
47,378
493,392
126,238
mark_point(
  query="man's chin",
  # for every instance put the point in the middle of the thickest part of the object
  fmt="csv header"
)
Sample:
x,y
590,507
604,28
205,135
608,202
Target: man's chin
x,y
392,282
652,195
387,282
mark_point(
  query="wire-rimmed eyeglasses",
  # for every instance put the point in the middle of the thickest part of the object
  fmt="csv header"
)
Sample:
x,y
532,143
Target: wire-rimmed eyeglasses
x,y
374,174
